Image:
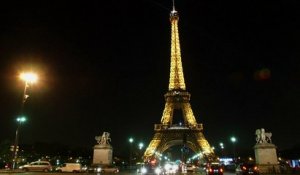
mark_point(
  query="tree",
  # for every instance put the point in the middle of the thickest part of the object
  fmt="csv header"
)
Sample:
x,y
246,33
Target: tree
x,y
5,152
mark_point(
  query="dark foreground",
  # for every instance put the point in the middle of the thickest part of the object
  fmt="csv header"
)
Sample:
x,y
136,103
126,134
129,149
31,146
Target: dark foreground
x,y
3,172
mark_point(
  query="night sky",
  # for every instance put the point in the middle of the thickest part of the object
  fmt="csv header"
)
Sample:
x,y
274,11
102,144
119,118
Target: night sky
x,y
104,66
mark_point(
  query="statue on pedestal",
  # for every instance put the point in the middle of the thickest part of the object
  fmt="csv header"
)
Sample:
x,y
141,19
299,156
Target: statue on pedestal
x,y
103,150
104,139
262,136
265,152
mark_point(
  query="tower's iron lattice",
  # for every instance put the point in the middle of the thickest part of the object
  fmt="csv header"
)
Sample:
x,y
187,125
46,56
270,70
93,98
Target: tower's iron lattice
x,y
190,132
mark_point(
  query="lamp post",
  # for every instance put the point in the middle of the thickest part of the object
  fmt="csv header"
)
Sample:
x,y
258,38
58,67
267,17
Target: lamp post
x,y
20,120
222,145
222,148
130,152
141,145
28,78
233,140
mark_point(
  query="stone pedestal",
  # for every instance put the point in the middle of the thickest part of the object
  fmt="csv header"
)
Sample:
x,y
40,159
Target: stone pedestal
x,y
102,154
266,158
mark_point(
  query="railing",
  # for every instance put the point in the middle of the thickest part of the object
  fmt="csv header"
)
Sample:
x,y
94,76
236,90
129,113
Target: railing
x,y
159,127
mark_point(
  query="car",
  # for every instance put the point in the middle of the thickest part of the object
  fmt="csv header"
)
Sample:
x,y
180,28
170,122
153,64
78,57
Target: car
x,y
247,168
139,167
109,169
70,167
214,169
44,166
93,169
103,169
149,168
171,168
191,168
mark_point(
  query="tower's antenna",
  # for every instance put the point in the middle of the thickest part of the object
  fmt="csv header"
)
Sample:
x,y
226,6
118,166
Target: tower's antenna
x,y
173,5
173,12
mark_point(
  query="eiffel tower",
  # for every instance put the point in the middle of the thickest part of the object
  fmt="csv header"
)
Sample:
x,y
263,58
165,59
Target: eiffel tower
x,y
168,134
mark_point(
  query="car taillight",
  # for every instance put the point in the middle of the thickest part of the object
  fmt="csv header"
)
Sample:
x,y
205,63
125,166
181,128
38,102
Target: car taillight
x,y
210,170
221,170
244,168
255,168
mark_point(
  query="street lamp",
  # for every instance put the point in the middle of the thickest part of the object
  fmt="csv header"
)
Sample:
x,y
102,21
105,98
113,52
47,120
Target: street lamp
x,y
28,78
233,140
130,152
130,140
21,119
222,145
141,145
222,148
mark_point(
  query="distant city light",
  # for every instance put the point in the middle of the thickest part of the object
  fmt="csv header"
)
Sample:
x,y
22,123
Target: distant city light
x,y
226,161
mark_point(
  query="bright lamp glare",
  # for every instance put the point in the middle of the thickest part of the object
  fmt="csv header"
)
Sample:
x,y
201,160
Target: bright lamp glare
x,y
130,140
29,77
21,119
141,145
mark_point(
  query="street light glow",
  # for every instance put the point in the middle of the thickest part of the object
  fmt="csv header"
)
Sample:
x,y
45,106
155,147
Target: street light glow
x,y
29,77
21,119
130,140
141,145
233,139
221,145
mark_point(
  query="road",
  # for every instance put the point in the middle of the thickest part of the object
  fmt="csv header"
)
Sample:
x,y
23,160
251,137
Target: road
x,y
120,173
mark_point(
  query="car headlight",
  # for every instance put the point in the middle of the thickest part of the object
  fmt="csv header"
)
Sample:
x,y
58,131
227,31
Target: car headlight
x,y
157,170
175,167
143,170
98,170
167,166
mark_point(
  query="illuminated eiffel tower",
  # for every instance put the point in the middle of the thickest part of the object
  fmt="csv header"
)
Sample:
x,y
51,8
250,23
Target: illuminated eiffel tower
x,y
167,134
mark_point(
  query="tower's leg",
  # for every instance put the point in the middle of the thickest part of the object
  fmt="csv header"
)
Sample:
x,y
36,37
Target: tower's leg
x,y
167,114
204,145
155,142
188,114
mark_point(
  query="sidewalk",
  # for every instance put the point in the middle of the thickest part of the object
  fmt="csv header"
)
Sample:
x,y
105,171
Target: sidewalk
x,y
11,171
